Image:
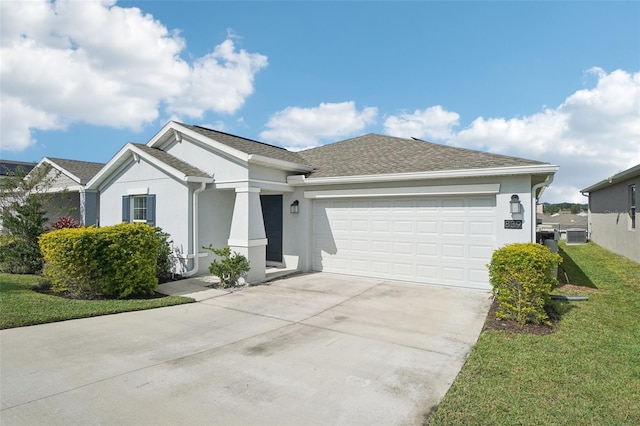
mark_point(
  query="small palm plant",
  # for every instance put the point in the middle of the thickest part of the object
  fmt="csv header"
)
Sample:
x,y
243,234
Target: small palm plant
x,y
230,267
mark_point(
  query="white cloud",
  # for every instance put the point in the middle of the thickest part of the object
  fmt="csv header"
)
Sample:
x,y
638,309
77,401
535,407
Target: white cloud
x,y
101,64
300,128
593,134
433,123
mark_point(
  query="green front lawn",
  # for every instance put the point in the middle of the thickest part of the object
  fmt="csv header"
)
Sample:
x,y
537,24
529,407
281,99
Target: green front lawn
x,y
21,306
586,373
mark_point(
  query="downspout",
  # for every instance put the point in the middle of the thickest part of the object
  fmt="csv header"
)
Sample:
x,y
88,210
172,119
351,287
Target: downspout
x,y
534,217
196,261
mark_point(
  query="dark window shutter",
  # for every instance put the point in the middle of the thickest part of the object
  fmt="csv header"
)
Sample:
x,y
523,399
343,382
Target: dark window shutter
x,y
151,210
125,208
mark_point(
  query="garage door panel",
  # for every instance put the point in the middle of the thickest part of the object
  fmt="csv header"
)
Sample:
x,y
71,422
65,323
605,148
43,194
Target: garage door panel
x,y
427,227
453,274
427,273
453,228
427,249
360,245
429,206
403,226
453,251
380,225
480,252
442,240
481,228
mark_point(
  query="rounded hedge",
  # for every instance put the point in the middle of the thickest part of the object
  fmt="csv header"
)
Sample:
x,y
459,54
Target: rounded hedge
x,y
113,261
522,278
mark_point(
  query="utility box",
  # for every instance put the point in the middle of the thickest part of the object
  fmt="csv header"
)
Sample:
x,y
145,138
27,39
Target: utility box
x,y
576,236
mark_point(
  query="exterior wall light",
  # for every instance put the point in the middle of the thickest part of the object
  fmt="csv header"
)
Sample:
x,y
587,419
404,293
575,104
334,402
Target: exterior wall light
x,y
294,208
515,204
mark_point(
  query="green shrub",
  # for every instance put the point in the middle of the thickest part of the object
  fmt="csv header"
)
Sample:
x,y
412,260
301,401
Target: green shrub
x,y
19,256
25,222
230,267
522,278
163,262
114,261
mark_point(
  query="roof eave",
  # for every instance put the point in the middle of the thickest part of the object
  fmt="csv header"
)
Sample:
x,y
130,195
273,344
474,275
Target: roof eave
x,y
123,156
300,180
625,174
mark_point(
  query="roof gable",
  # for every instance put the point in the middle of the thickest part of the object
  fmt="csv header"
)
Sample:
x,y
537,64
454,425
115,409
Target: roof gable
x,y
374,154
165,161
169,160
80,171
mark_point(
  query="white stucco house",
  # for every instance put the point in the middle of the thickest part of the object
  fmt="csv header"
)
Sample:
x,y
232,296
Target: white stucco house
x,y
70,197
374,205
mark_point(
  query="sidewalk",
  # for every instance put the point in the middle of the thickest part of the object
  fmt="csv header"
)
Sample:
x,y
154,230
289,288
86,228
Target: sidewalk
x,y
198,288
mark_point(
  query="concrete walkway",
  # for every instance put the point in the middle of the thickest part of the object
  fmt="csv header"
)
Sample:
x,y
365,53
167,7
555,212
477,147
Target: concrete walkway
x,y
311,349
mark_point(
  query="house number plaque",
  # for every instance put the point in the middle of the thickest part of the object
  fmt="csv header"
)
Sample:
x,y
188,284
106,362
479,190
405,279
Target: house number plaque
x,y
512,224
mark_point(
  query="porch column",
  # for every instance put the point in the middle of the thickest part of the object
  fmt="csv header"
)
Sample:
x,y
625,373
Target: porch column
x,y
247,235
89,208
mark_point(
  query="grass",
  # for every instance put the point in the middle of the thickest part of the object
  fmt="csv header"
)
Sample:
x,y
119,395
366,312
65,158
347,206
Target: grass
x,y
21,306
587,372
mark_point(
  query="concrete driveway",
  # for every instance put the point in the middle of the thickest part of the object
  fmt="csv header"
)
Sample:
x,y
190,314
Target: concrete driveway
x,y
312,349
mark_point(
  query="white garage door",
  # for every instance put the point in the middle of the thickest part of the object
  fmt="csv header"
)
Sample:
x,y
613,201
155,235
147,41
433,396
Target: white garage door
x,y
439,240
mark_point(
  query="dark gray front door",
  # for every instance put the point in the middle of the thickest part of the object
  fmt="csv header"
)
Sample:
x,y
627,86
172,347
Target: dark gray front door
x,y
272,215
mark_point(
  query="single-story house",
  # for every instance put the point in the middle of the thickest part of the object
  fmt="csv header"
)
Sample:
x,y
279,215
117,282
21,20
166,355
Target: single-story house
x,y
374,205
66,182
613,204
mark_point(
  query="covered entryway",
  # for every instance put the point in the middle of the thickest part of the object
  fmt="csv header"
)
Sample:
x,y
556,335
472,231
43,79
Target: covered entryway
x,y
440,240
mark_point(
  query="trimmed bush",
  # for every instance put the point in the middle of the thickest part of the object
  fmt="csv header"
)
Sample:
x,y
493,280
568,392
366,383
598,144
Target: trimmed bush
x,y
522,278
114,261
230,268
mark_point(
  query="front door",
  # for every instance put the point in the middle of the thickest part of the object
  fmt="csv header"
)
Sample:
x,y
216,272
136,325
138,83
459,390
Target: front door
x,y
272,215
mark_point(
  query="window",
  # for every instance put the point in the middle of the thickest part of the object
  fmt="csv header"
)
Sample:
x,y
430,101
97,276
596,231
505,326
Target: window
x,y
632,205
139,209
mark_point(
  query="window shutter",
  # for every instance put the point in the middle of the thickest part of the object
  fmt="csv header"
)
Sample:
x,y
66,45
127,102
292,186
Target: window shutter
x,y
125,208
151,210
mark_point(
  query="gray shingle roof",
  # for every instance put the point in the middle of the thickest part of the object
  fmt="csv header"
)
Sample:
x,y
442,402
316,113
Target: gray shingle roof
x,y
374,154
249,146
85,170
172,161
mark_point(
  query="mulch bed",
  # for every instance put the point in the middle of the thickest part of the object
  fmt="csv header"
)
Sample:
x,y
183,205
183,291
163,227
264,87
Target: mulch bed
x,y
511,326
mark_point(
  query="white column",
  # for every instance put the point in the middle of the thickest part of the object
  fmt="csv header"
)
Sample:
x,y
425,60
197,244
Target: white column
x,y
247,235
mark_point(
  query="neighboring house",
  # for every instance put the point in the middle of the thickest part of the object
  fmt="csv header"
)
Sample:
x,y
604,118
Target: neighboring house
x,y
564,220
68,179
374,205
613,204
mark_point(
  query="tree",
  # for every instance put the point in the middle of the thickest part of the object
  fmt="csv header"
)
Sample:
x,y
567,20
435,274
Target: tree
x,y
551,209
22,211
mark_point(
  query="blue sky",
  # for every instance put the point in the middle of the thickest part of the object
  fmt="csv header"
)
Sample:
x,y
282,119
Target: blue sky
x,y
552,81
